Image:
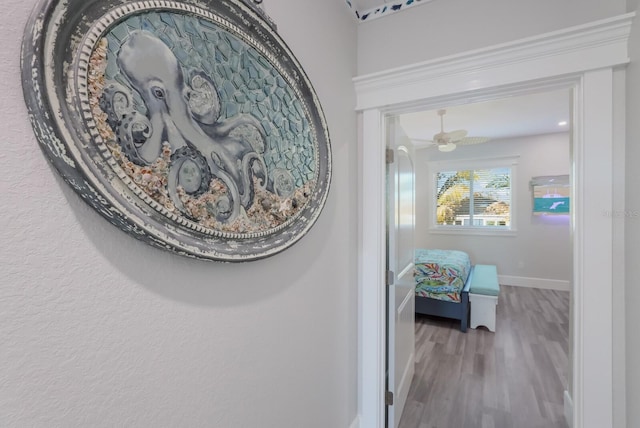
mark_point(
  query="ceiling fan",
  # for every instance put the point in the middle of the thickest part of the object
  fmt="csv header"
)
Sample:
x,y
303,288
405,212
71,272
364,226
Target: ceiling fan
x,y
448,141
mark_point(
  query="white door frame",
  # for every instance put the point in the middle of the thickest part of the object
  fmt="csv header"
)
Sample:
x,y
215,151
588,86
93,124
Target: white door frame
x,y
582,58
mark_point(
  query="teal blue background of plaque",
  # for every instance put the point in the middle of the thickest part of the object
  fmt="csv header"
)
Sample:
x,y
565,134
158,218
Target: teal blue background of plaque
x,y
246,82
551,205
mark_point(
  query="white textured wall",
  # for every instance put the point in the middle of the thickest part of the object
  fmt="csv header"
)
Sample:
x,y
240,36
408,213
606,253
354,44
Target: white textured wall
x,y
99,329
632,225
445,27
542,246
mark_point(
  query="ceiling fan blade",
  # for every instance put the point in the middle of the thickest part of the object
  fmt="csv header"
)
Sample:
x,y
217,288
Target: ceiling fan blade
x,y
455,136
472,140
421,143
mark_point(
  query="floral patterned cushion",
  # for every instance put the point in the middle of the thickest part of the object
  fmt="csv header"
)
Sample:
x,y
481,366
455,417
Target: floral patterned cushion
x,y
441,274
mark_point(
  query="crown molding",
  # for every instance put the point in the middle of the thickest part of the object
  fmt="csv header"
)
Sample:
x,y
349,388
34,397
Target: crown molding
x,y
568,51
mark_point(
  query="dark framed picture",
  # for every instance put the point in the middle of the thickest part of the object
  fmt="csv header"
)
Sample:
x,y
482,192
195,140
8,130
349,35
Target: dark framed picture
x,y
188,124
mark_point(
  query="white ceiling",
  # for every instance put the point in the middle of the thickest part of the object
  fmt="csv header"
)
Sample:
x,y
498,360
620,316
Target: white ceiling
x,y
525,115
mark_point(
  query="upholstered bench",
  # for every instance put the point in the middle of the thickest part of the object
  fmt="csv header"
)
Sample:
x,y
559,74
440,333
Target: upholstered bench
x,y
483,296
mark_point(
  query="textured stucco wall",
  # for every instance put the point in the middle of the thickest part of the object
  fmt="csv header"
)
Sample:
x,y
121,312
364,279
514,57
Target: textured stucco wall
x,y
99,329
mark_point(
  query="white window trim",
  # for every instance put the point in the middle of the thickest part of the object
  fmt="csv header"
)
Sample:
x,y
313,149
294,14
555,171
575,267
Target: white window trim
x,y
434,167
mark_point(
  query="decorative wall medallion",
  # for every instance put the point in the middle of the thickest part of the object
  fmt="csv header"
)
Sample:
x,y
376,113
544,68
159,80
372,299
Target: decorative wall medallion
x,y
188,124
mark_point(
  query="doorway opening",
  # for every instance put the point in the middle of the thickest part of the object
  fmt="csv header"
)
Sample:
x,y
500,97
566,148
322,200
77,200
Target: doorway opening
x,y
466,202
568,59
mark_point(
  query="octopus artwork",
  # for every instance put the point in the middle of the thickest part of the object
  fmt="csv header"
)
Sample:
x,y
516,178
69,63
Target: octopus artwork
x,y
183,111
193,128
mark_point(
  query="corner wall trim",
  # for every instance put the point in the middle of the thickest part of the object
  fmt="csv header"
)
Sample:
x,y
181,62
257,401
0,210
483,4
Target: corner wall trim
x,y
568,409
545,284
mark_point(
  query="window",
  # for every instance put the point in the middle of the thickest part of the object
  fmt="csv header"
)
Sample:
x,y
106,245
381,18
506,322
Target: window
x,y
475,197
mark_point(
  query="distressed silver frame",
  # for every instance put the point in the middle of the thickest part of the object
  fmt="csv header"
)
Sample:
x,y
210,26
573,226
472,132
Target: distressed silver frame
x,y
55,41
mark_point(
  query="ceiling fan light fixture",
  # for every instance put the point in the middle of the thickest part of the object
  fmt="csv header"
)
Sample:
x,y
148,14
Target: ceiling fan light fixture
x,y
448,141
449,147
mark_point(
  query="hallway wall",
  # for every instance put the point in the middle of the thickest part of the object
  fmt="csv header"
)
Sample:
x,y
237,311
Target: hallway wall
x,y
101,330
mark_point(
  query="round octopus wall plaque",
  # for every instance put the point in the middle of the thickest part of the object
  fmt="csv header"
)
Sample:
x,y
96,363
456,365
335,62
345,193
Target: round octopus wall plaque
x,y
188,124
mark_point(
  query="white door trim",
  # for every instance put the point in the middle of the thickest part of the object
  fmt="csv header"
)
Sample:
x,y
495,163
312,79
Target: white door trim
x,y
582,58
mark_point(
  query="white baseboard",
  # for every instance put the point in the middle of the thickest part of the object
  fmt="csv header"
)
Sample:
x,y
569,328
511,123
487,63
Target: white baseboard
x,y
568,409
356,422
547,284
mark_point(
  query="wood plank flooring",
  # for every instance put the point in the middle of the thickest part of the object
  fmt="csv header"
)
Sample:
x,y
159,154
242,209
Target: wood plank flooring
x,y
513,378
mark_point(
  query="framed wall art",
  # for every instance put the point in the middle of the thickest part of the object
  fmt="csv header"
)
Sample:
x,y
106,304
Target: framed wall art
x,y
188,124
551,194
